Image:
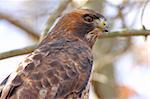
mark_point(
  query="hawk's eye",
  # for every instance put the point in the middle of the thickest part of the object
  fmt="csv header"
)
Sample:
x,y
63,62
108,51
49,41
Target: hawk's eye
x,y
88,18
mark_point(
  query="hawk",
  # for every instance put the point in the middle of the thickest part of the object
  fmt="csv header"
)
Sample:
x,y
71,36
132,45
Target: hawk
x,y
60,67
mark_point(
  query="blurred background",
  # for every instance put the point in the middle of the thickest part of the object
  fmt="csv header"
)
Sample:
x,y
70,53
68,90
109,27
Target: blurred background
x,y
121,64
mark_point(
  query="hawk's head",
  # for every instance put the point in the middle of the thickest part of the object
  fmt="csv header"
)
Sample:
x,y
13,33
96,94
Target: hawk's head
x,y
83,23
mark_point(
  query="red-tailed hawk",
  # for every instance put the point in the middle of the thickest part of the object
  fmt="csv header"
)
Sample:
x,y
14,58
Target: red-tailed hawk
x,y
60,67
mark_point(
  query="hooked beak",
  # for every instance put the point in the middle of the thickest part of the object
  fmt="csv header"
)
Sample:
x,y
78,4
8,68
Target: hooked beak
x,y
106,29
101,25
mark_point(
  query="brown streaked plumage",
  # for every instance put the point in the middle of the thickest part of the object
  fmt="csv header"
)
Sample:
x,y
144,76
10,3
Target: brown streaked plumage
x,y
61,65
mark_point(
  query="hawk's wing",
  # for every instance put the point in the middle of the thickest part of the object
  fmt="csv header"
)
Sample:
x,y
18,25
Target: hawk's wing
x,y
57,69
3,84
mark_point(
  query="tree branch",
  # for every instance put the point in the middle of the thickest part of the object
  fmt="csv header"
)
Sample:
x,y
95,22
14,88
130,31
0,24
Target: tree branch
x,y
29,49
17,52
21,25
54,16
126,33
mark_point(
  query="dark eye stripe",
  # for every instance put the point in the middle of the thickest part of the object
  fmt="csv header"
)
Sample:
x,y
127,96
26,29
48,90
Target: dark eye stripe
x,y
99,16
96,17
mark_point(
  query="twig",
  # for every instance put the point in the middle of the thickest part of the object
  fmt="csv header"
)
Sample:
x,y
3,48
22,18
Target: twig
x,y
21,25
54,16
29,49
143,14
143,27
17,52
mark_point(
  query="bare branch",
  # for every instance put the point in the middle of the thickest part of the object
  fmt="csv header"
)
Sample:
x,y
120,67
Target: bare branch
x,y
126,33
17,52
21,25
29,49
54,16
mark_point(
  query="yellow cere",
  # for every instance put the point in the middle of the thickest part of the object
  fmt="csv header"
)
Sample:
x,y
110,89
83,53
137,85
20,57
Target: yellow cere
x,y
104,23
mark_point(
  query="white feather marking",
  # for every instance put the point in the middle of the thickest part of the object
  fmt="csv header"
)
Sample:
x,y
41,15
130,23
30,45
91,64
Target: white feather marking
x,y
43,92
8,85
